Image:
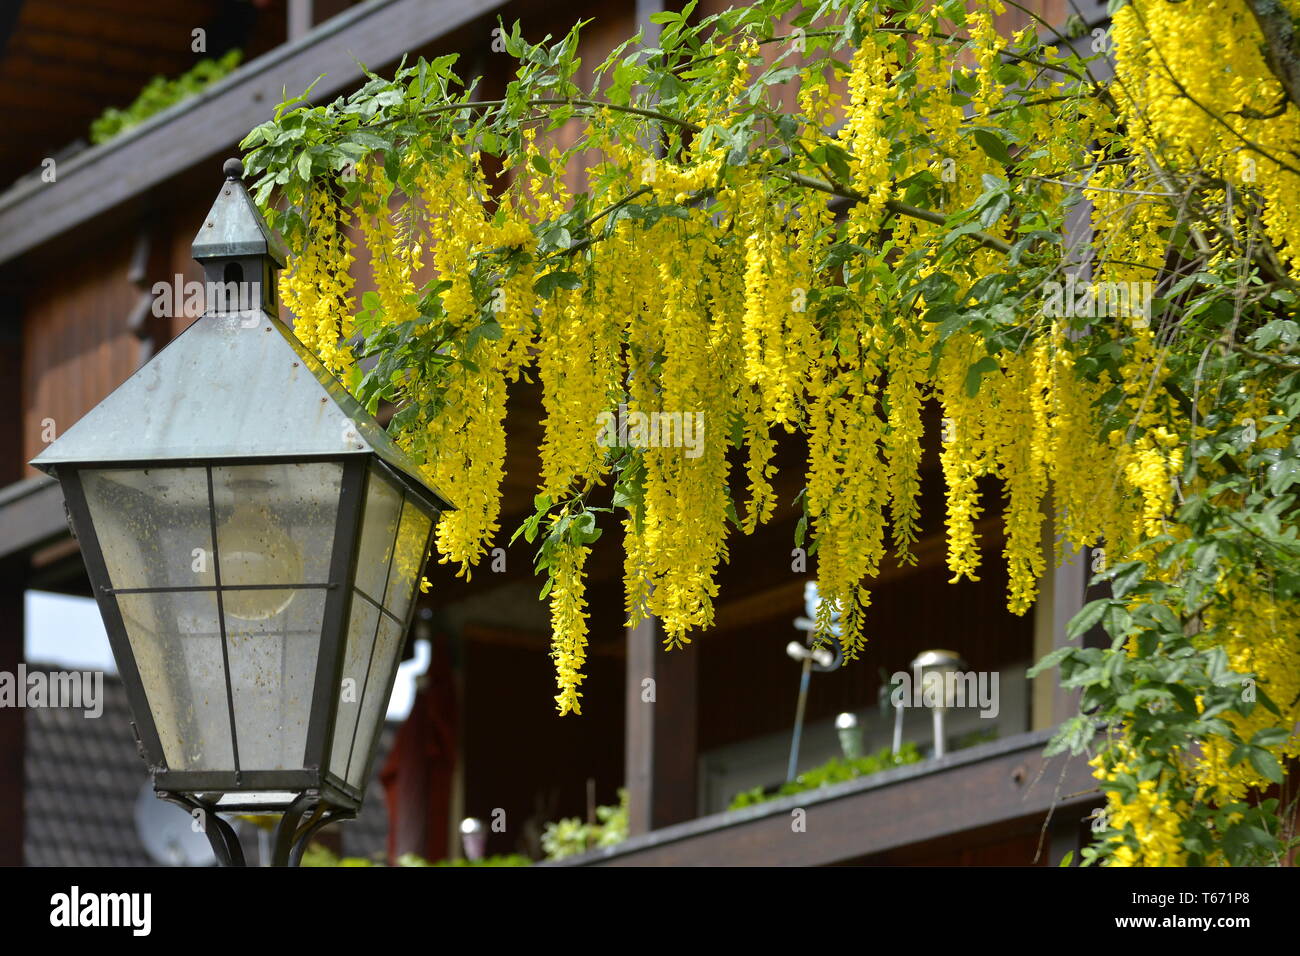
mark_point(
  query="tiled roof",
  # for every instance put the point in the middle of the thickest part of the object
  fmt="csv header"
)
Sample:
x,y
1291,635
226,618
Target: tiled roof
x,y
83,777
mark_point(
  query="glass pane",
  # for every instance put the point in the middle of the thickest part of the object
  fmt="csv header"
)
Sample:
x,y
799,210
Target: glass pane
x,y
408,561
275,525
177,647
273,673
378,528
152,524
352,683
374,704
272,799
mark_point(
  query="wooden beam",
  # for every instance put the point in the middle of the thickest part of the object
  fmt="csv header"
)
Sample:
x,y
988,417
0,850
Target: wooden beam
x,y
979,787
31,514
660,750
210,123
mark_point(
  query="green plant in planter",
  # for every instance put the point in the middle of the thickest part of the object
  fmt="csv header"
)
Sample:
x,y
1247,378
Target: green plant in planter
x,y
161,93
571,836
835,770
318,855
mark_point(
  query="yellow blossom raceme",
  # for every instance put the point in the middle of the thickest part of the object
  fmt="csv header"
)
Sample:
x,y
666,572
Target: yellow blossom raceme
x,y
464,444
1022,414
963,456
902,445
316,284
1149,827
1195,89
569,625
1151,469
864,133
578,365
394,258
686,496
1259,637
847,493
777,331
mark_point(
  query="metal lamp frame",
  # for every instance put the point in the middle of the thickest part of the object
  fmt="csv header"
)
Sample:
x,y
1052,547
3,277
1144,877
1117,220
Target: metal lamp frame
x,y
321,796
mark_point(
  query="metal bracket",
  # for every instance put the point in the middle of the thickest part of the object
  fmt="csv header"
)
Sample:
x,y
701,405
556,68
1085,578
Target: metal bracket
x,y
221,835
288,842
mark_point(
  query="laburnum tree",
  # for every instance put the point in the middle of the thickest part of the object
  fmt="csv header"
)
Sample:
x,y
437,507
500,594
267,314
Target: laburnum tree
x,y
816,218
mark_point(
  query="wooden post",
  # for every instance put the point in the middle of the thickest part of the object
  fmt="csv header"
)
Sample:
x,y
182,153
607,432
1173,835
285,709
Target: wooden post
x,y
303,15
301,19
660,747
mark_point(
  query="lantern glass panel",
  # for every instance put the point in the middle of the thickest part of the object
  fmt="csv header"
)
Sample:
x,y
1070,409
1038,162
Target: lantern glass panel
x,y
153,524
176,642
374,703
272,676
408,559
357,656
378,530
393,538
275,525
408,550
244,654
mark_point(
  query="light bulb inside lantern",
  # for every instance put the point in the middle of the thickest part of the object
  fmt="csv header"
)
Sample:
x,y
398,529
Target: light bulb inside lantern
x,y
254,549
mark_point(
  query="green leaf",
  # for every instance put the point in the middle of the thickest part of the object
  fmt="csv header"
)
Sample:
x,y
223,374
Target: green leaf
x,y
977,372
1265,764
584,530
1125,577
1285,331
1283,474
1050,660
992,144
994,209
547,285
1270,737
1087,618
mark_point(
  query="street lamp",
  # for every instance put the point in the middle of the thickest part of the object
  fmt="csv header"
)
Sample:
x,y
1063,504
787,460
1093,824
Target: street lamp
x,y
810,658
254,540
933,674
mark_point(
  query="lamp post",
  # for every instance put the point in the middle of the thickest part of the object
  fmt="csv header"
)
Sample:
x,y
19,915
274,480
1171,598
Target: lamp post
x,y
850,734
819,658
933,668
254,540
